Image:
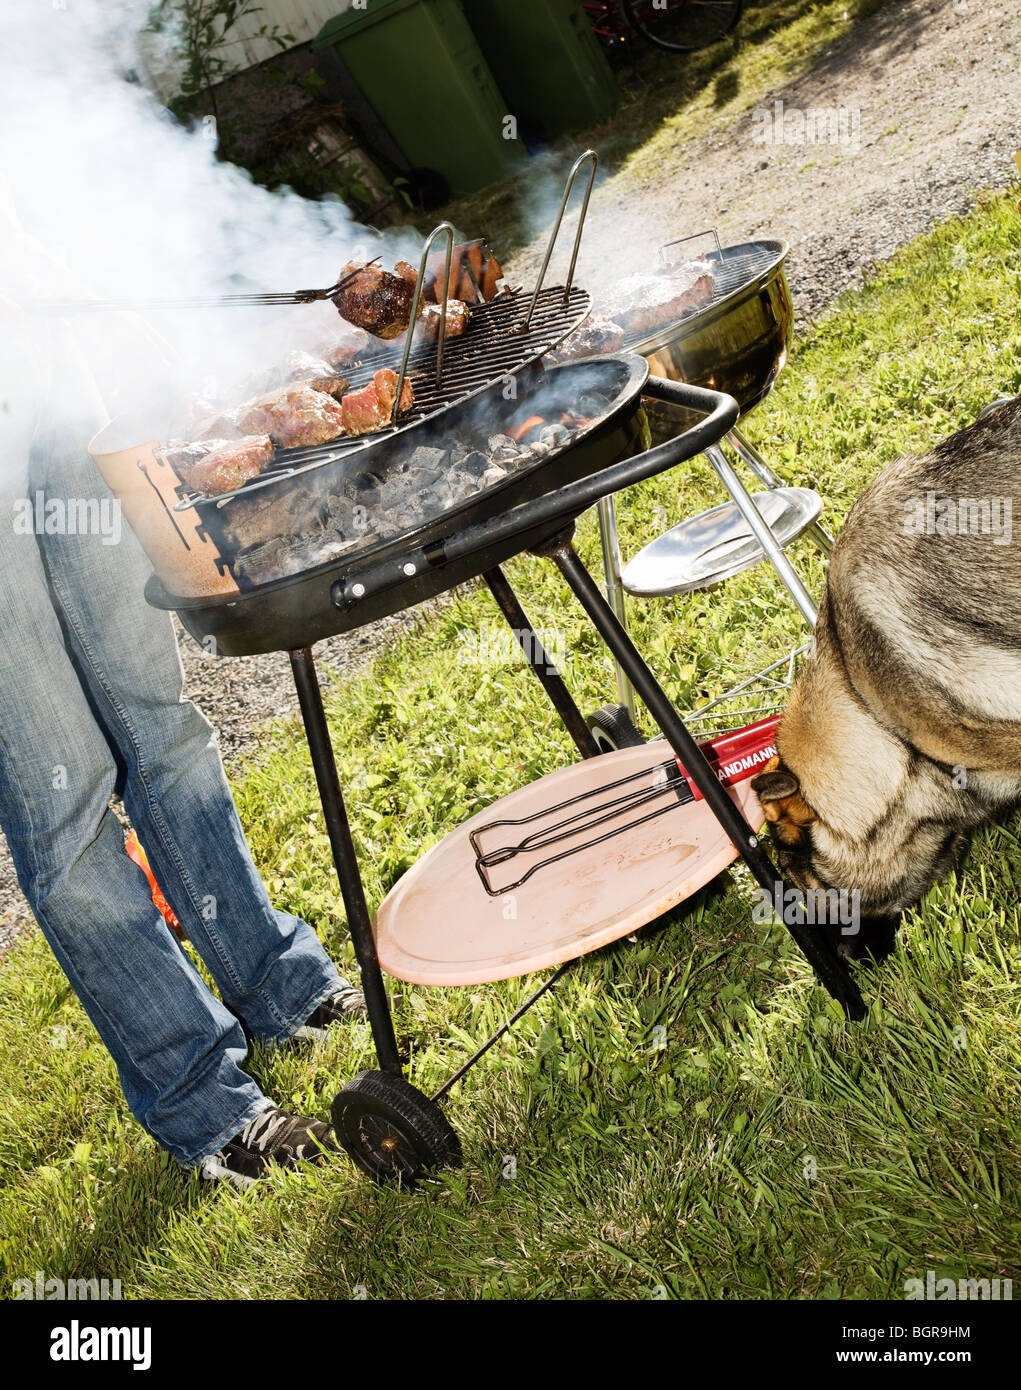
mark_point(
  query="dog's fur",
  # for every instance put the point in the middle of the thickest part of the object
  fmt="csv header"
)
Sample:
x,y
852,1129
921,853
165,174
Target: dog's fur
x,y
903,732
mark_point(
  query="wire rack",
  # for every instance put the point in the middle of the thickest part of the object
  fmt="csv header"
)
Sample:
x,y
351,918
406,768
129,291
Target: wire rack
x,y
504,337
760,695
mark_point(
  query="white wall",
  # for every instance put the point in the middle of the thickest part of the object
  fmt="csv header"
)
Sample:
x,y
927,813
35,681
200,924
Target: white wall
x,y
303,19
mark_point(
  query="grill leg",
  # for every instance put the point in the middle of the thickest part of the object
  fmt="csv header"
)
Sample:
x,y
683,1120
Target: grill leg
x,y
820,955
504,1027
816,533
773,549
610,542
311,701
541,663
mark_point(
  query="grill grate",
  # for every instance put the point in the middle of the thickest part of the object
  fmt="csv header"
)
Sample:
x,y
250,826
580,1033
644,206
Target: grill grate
x,y
734,267
492,347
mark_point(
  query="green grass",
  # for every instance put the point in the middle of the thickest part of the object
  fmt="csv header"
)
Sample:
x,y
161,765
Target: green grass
x,y
639,1171
667,101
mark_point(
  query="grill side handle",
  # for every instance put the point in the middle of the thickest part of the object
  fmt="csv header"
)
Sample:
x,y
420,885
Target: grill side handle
x,y
721,412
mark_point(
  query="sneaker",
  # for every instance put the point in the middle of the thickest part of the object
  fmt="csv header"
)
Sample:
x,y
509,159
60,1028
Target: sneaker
x,y
343,1005
273,1136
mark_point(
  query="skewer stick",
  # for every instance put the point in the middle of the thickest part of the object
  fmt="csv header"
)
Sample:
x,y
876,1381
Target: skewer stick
x,y
223,301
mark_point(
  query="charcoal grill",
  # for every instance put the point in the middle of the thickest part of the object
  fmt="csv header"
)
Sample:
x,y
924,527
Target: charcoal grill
x,y
184,532
507,336
390,1129
496,346
422,560
736,342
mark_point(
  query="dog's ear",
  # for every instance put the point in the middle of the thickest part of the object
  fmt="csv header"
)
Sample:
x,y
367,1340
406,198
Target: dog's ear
x,y
786,809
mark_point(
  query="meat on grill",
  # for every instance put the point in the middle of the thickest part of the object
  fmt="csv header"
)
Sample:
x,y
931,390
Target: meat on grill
x,y
362,411
385,382
475,274
294,417
641,303
342,351
315,372
492,274
223,425
184,457
376,300
428,328
598,334
369,408
229,465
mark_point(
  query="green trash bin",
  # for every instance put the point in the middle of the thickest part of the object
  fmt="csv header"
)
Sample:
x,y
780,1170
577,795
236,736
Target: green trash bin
x,y
419,66
547,62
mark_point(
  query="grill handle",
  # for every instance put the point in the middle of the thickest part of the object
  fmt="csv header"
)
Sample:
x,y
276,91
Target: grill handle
x,y
444,229
592,159
692,236
721,414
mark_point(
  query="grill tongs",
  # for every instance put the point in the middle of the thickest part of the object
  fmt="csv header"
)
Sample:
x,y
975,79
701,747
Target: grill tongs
x,y
590,813
605,812
229,301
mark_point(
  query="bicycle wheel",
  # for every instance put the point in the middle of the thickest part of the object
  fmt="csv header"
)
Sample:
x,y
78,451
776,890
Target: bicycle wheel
x,y
682,26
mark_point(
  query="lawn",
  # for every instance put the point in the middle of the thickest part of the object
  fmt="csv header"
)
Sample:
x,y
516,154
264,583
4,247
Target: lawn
x,y
769,1149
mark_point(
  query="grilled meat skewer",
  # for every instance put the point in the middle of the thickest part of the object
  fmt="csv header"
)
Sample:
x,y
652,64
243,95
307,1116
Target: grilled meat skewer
x,y
377,300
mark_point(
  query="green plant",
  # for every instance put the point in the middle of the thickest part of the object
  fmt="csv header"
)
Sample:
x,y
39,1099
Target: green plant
x,y
200,32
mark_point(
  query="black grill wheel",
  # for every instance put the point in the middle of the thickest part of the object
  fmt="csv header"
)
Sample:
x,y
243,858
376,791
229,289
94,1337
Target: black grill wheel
x,y
391,1131
612,728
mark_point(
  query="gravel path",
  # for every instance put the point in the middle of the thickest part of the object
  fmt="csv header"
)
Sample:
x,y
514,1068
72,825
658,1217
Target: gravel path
x,y
932,90
936,85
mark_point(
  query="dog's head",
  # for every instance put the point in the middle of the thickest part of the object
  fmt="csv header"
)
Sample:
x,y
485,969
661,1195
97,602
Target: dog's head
x,y
882,874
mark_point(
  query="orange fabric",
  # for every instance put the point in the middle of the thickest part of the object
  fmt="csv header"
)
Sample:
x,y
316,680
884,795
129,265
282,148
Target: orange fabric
x,y
138,855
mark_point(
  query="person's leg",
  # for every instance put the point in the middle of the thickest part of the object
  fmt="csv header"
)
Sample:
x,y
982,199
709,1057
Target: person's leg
x,y
177,1049
269,967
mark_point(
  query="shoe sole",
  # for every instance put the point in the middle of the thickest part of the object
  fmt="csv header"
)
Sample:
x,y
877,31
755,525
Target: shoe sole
x,y
211,1171
307,1033
312,1032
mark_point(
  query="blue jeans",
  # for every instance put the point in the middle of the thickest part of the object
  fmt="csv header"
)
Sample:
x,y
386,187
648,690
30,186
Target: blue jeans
x,y
90,697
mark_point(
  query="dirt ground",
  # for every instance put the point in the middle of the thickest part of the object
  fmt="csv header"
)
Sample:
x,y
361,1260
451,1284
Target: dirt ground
x,y
930,92
931,89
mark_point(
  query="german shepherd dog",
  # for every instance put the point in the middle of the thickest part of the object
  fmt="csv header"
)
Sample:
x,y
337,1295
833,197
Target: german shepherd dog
x,y
903,732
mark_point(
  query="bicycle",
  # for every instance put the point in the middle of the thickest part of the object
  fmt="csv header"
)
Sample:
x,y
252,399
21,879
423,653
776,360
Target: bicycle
x,y
680,26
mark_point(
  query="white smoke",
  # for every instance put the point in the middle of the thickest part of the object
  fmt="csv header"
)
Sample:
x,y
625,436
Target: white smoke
x,y
103,194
